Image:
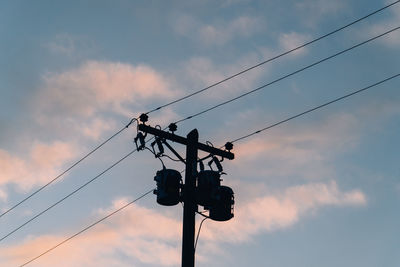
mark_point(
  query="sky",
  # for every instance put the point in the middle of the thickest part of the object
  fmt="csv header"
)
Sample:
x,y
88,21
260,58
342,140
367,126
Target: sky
x,y
320,190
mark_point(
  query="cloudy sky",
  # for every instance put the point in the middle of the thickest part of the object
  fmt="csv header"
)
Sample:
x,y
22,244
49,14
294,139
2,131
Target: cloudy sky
x,y
320,190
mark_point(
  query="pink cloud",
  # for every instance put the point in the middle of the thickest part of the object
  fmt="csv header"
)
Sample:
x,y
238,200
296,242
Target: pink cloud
x,y
147,236
140,234
39,165
280,210
96,86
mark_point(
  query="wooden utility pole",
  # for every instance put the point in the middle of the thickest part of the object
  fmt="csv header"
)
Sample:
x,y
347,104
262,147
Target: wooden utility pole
x,y
189,201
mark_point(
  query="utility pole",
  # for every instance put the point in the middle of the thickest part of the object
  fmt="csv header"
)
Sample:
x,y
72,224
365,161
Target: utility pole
x,y
189,196
189,204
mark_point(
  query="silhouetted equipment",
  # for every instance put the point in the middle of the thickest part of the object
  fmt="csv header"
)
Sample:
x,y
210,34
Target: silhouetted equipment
x,y
228,146
172,127
200,188
158,141
143,118
217,163
208,182
142,143
168,187
222,208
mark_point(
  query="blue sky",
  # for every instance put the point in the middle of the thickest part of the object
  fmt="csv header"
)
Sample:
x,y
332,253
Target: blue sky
x,y
321,190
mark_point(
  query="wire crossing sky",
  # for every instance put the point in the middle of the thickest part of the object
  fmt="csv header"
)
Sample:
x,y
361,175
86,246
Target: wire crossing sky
x,y
192,94
322,189
236,140
190,117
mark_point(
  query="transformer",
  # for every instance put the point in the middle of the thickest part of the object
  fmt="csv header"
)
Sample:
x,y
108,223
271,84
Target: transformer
x,y
208,182
222,208
168,187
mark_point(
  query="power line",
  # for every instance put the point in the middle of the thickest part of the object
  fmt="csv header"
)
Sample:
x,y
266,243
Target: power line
x,y
67,196
195,115
285,76
65,171
273,58
233,141
87,228
195,93
315,108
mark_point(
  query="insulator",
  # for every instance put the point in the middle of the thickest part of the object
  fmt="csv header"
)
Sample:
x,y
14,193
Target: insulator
x,y
217,163
143,117
222,208
208,183
140,137
160,147
228,146
172,127
168,187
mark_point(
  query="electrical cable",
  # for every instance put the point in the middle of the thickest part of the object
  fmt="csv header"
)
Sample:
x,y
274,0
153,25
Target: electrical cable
x,y
87,228
171,158
286,76
197,92
198,232
233,141
67,170
273,58
209,109
315,108
67,196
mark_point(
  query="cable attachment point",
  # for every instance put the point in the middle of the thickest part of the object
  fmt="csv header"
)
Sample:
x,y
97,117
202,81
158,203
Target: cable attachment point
x,y
172,127
228,146
217,163
143,118
160,152
142,143
130,122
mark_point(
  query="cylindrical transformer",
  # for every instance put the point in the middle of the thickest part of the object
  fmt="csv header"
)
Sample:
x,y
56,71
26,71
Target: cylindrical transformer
x,y
222,208
168,187
208,182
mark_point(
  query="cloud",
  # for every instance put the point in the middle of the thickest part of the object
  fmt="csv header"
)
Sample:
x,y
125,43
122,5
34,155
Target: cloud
x,y
315,10
97,86
202,72
139,234
289,41
3,195
43,162
308,154
146,236
84,101
219,33
279,211
96,127
392,39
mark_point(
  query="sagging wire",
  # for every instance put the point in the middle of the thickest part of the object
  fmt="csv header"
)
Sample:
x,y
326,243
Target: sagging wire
x,y
198,232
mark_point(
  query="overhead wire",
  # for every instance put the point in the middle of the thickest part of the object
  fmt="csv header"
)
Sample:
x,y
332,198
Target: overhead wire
x,y
87,228
66,170
315,108
273,58
233,141
67,196
285,76
195,93
198,232
198,114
